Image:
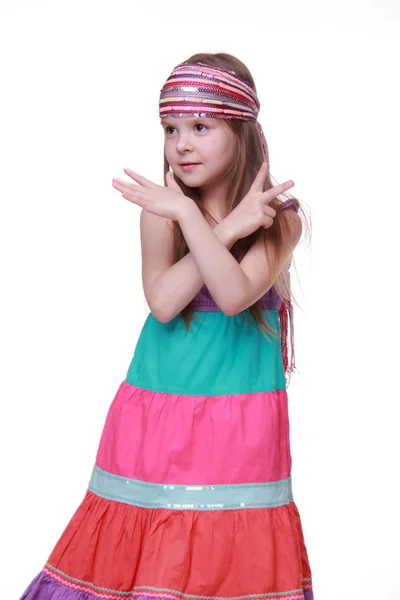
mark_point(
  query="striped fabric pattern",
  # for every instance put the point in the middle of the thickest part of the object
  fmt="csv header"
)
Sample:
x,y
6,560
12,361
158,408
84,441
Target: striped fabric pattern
x,y
190,496
204,91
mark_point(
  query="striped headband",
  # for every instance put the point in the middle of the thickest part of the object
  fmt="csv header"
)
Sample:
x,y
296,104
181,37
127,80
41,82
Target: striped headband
x,y
198,90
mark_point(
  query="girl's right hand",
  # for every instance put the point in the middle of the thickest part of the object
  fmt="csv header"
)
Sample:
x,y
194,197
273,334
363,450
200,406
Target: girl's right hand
x,y
254,211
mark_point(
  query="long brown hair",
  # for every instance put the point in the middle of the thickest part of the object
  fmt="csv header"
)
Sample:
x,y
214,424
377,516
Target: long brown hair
x,y
249,157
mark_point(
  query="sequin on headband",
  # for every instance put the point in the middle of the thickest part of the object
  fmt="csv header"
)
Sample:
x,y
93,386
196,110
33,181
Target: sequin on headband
x,y
198,90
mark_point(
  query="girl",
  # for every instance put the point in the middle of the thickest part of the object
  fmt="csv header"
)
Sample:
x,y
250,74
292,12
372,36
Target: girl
x,y
190,495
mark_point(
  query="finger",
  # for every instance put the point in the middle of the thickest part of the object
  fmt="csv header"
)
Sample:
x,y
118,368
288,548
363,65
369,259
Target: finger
x,y
169,178
276,190
139,178
260,177
134,199
136,194
125,186
268,221
171,182
269,211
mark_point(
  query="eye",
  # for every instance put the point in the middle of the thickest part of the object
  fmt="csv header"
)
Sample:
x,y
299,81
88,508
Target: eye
x,y
168,129
201,125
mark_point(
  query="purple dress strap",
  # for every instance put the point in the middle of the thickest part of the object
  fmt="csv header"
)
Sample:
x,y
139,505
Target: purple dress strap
x,y
203,301
291,203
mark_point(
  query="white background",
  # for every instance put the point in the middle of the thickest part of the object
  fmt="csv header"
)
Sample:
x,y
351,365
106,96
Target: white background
x,y
79,101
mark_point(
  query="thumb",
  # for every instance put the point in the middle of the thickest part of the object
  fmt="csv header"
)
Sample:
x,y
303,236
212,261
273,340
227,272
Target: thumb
x,y
171,183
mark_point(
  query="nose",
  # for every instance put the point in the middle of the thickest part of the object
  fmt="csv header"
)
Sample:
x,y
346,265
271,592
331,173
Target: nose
x,y
184,143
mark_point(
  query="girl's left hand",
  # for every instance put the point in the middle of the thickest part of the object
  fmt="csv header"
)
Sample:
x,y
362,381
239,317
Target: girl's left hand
x,y
169,202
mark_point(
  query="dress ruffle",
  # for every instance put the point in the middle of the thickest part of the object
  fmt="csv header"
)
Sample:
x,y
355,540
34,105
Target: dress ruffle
x,y
190,496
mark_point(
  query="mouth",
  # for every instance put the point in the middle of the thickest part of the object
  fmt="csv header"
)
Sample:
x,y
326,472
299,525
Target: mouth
x,y
188,166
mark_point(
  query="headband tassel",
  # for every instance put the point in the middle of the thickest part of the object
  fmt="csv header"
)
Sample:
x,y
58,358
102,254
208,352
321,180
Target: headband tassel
x,y
286,320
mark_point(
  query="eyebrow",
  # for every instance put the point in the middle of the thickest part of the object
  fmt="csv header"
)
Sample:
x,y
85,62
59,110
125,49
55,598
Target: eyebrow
x,y
167,123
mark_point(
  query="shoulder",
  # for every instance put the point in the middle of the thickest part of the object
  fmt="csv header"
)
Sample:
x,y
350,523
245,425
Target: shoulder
x,y
293,227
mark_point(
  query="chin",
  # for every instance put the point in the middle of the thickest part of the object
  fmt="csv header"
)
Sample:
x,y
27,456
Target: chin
x,y
191,181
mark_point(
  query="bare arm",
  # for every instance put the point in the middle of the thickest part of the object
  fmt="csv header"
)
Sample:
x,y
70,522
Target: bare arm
x,y
233,286
236,286
228,283
168,286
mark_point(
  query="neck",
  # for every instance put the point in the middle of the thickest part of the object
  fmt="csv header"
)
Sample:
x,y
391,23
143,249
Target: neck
x,y
213,197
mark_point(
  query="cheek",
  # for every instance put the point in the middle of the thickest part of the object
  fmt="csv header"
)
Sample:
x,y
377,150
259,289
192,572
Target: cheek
x,y
225,145
214,149
168,152
224,153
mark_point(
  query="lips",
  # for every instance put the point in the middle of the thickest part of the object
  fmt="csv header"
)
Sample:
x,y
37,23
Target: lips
x,y
188,167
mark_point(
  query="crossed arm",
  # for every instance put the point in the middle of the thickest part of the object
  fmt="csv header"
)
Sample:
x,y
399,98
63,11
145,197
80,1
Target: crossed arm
x,y
169,287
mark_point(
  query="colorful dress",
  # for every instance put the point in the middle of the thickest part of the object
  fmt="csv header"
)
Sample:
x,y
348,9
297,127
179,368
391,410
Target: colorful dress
x,y
190,496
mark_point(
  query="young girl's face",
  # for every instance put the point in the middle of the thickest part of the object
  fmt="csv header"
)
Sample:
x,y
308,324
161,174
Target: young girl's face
x,y
207,144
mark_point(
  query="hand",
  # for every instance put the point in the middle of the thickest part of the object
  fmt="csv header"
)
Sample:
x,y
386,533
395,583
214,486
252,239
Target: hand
x,y
254,211
169,202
